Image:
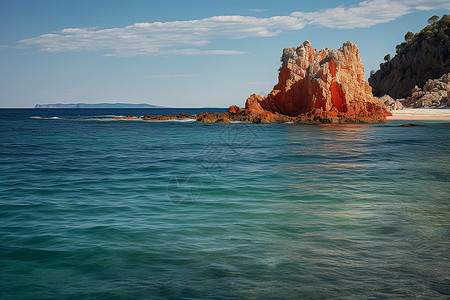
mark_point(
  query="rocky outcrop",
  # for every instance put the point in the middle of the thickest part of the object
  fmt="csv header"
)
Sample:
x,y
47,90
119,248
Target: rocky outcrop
x,y
234,109
390,103
159,118
314,86
435,93
412,125
425,56
213,118
327,85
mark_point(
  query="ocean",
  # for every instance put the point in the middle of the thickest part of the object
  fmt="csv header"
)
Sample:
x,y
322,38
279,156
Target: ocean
x,y
97,208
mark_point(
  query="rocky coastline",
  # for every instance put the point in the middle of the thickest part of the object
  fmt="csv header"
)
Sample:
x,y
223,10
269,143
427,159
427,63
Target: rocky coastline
x,y
314,86
435,93
418,75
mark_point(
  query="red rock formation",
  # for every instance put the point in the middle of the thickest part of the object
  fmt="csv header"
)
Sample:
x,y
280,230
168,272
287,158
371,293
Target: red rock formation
x,y
325,85
234,109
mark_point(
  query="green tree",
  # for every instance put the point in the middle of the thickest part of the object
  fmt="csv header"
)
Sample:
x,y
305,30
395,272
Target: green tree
x,y
433,19
427,34
445,20
409,36
387,58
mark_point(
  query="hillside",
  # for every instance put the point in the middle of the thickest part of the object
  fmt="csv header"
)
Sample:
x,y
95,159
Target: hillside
x,y
424,55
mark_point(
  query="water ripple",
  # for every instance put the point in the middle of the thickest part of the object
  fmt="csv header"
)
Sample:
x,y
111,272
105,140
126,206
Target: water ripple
x,y
94,209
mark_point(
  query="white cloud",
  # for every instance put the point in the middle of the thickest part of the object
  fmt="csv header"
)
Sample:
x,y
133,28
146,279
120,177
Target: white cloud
x,y
161,38
368,13
191,37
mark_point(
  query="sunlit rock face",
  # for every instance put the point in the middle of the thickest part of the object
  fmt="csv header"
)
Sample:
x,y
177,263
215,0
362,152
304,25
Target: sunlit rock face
x,y
390,103
435,93
325,83
325,86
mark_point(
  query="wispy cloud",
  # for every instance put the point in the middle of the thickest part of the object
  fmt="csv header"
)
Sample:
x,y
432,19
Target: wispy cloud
x,y
7,46
258,9
192,37
163,38
368,13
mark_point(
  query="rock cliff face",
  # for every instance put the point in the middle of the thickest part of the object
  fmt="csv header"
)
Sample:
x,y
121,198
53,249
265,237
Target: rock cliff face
x,y
426,56
326,84
391,104
435,93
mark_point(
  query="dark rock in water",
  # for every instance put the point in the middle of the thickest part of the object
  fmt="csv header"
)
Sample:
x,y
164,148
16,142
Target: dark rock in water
x,y
167,117
425,56
412,125
182,115
212,117
159,118
223,120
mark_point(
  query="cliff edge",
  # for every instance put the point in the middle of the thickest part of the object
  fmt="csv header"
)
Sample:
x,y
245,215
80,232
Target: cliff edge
x,y
423,56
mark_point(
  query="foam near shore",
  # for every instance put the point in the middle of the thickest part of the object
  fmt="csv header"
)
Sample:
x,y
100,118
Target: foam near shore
x,y
421,114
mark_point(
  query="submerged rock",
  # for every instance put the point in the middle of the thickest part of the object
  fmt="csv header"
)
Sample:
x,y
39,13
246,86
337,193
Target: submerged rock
x,y
412,125
168,117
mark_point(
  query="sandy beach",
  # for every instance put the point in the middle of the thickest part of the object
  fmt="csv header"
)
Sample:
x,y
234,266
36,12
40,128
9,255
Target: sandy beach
x,y
421,114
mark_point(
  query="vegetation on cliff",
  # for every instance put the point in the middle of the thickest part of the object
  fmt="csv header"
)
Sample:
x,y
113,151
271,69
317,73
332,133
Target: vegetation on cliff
x,y
439,31
422,56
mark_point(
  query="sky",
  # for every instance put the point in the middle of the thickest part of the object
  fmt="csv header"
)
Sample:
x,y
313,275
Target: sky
x,y
181,53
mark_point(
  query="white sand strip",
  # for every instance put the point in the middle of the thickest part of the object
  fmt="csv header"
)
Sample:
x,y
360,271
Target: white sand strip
x,y
421,114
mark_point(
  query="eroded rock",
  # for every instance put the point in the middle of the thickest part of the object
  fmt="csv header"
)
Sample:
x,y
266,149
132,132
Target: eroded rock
x,y
327,83
390,103
434,93
314,86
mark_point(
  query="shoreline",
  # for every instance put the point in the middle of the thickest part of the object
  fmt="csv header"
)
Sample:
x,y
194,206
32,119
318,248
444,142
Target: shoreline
x,y
432,114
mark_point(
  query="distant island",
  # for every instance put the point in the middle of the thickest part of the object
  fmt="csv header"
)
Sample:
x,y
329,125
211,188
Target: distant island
x,y
97,105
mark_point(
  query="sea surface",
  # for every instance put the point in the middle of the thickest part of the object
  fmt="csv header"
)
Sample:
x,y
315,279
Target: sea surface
x,y
97,208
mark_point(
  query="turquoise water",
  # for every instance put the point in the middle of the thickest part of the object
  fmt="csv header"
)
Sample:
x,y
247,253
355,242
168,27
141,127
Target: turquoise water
x,y
96,208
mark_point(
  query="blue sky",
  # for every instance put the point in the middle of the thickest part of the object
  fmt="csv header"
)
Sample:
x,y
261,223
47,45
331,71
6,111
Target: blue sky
x,y
181,53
